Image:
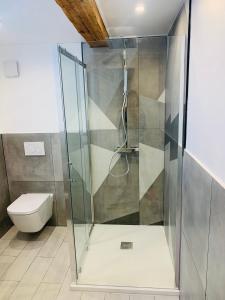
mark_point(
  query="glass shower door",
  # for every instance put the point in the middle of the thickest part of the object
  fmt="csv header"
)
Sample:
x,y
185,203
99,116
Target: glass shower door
x,y
73,88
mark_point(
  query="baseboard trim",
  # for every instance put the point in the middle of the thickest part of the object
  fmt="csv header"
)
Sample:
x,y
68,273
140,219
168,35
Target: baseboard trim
x,y
218,180
125,290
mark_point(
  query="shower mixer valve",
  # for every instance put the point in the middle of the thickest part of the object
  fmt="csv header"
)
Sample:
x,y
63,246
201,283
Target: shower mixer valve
x,y
126,149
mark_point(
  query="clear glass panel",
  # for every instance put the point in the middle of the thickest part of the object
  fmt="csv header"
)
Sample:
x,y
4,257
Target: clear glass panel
x,y
85,142
76,131
152,68
115,197
175,95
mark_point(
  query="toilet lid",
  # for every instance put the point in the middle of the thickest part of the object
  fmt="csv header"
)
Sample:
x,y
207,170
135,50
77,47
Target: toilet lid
x,y
27,204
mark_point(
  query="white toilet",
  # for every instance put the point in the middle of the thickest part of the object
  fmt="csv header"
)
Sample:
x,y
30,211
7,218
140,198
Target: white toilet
x,y
30,212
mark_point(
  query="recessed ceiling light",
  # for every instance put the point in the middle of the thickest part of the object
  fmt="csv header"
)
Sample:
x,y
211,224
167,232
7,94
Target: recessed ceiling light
x,y
139,9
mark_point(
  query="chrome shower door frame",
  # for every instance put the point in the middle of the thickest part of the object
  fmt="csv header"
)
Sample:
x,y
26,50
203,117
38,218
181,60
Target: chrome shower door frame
x,y
67,176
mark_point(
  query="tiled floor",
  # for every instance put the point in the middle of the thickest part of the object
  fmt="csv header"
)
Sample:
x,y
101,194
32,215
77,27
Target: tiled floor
x,y
37,267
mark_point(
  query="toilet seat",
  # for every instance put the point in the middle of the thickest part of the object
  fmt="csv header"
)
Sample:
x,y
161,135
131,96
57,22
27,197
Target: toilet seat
x,y
30,212
27,204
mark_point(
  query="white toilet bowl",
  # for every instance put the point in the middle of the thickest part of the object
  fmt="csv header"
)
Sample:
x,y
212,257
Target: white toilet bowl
x,y
30,212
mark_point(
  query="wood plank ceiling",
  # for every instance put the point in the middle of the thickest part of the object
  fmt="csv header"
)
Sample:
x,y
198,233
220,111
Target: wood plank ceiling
x,y
85,17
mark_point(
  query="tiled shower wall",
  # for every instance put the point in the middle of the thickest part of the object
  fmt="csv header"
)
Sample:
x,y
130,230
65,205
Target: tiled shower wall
x,y
203,229
4,190
36,174
115,199
124,200
152,69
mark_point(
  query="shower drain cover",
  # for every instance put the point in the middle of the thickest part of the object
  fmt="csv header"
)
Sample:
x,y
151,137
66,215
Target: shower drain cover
x,y
126,245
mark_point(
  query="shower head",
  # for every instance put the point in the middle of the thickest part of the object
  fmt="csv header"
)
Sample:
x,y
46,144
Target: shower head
x,y
120,43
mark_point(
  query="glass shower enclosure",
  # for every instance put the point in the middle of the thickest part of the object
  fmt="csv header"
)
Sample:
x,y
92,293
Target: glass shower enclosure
x,y
73,75
123,109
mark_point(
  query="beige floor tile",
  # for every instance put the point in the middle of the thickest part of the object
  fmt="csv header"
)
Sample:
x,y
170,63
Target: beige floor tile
x,y
21,264
65,292
48,291
10,234
44,234
53,243
3,245
67,236
59,266
15,247
24,291
37,270
92,296
142,297
6,289
69,295
116,296
5,263
13,234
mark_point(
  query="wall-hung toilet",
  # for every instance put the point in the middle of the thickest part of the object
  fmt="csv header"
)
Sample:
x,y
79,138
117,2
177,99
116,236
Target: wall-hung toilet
x,y
30,212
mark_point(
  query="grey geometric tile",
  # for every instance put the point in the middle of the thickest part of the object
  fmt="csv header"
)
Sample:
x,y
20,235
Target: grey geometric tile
x,y
132,219
191,286
149,113
118,197
152,60
196,212
152,137
133,137
105,88
151,205
216,258
108,139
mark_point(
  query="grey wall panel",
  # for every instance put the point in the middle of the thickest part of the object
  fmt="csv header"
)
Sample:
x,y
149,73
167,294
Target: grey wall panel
x,y
203,226
216,258
191,287
196,212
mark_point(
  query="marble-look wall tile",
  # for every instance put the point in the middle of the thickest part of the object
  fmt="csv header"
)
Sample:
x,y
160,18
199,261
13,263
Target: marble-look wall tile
x,y
196,212
37,174
216,257
57,159
4,189
27,168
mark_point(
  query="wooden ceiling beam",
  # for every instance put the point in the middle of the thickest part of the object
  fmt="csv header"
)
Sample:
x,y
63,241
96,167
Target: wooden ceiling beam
x,y
85,17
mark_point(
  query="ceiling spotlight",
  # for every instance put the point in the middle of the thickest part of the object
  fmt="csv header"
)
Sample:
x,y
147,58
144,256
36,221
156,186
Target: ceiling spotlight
x,y
139,9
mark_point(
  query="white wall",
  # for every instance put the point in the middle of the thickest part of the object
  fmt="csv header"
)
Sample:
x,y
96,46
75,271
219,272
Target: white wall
x,y
35,21
29,33
32,102
28,103
206,104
